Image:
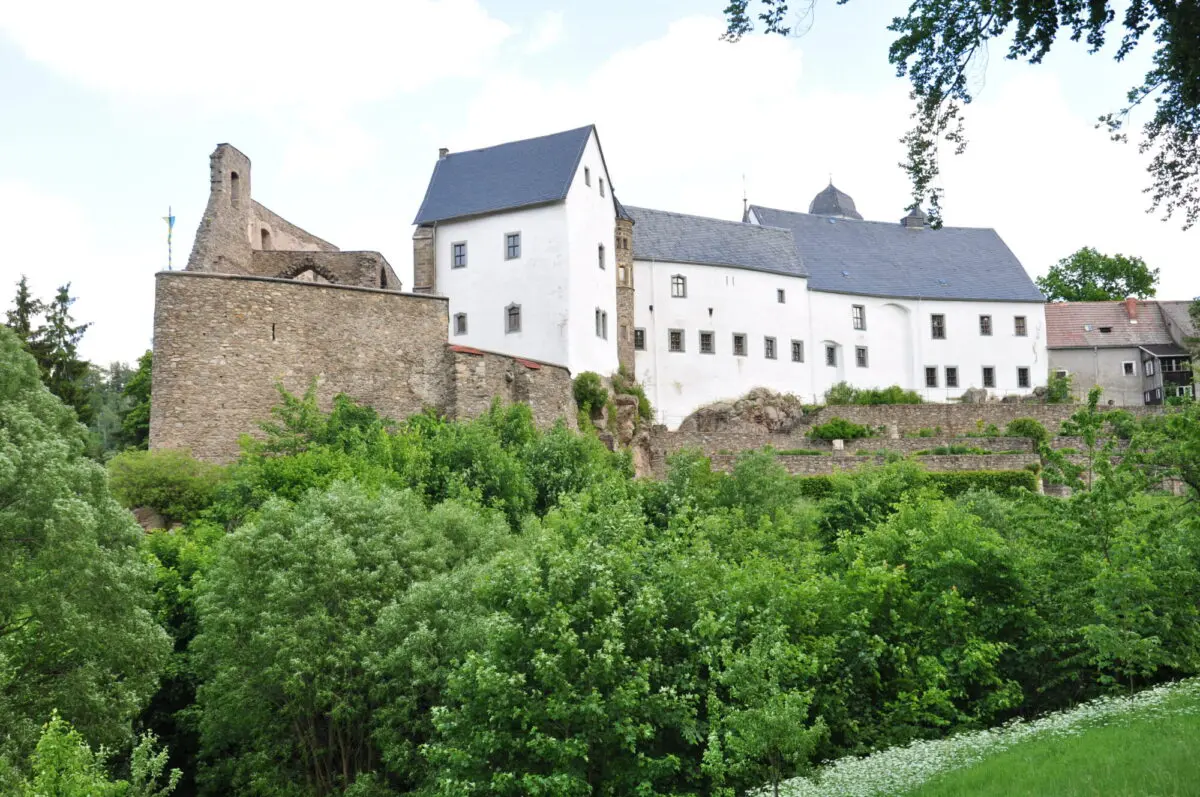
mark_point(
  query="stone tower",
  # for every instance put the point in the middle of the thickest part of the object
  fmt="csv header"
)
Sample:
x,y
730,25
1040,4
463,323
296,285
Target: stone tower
x,y
424,260
625,291
223,238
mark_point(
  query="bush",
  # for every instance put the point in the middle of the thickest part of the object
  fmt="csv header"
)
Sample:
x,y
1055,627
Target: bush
x,y
843,393
1058,389
958,482
839,429
802,452
623,383
1027,427
952,449
590,394
172,483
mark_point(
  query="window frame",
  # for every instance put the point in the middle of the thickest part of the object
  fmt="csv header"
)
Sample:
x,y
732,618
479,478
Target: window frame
x,y
831,357
682,341
601,186
947,372
739,344
1024,374
454,245
861,357
680,281
1020,326
797,348
931,371
712,341
984,372
509,315
600,257
460,329
639,337
858,317
508,245
985,325
587,176
937,323
781,296
1148,368
770,348
1128,368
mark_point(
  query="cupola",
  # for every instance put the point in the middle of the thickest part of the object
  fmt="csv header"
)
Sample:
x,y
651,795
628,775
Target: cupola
x,y
832,202
916,219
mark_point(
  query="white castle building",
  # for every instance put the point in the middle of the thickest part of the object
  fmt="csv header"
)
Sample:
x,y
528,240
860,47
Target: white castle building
x,y
540,260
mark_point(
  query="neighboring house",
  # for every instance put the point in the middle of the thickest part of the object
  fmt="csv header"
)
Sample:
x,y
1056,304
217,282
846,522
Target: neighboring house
x,y
539,259
1132,349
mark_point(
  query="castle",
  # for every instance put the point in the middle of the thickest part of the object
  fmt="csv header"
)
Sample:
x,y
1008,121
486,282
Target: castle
x,y
528,270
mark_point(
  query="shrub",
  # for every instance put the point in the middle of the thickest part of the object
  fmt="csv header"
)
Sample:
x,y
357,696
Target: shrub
x,y
590,394
958,482
839,429
1122,422
623,383
802,452
952,449
1027,427
1058,389
843,393
840,394
170,482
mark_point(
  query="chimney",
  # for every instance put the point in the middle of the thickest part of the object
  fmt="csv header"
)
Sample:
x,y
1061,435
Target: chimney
x,y
1131,309
915,220
442,153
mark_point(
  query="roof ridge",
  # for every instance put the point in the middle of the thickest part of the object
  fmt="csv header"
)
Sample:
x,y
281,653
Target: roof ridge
x,y
518,141
839,220
708,218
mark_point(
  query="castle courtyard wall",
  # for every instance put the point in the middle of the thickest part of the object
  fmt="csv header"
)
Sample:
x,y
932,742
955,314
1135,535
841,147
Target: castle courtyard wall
x,y
479,376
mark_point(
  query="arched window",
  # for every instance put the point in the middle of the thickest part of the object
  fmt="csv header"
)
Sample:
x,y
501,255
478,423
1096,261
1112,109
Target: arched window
x,y
235,188
266,240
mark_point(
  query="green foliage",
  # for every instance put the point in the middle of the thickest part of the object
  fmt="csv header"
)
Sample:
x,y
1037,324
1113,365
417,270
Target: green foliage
x,y
76,633
135,425
843,393
839,429
170,482
953,448
1088,276
589,390
925,431
803,452
1058,389
1029,428
623,384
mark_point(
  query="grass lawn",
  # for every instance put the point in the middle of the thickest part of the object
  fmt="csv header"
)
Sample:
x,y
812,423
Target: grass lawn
x,y
1155,753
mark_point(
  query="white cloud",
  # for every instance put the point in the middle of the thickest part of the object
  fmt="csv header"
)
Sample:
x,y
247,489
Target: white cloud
x,y
255,54
548,32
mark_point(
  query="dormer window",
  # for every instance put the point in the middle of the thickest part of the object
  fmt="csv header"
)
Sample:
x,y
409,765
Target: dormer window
x,y
587,176
1105,330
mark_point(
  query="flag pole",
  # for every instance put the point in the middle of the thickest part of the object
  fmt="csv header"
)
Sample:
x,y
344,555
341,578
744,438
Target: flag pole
x,y
170,220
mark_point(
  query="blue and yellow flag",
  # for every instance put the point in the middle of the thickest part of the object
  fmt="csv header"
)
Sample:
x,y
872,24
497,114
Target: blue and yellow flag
x,y
170,220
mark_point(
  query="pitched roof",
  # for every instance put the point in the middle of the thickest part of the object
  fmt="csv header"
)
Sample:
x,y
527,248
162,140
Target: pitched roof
x,y
504,177
679,238
832,202
1179,320
876,258
1071,325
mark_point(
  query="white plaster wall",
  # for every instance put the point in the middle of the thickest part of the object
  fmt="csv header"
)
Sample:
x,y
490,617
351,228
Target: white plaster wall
x,y
489,283
900,345
742,301
591,220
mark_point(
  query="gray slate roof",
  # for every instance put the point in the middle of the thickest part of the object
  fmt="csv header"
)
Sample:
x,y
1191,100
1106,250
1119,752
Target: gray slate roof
x,y
508,176
875,258
832,202
678,238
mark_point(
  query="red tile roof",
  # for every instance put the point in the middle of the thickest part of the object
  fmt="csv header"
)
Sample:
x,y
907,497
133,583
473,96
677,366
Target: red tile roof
x,y
1078,324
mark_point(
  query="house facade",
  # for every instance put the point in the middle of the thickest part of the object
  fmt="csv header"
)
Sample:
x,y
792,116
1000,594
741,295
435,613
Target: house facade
x,y
538,258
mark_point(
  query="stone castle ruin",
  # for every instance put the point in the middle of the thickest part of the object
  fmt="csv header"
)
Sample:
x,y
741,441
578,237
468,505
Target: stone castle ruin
x,y
263,302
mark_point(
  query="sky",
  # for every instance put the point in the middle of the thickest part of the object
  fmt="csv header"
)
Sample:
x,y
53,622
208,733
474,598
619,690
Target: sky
x,y
109,111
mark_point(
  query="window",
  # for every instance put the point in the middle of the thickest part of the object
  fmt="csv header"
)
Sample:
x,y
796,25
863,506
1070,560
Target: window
x,y
1148,367
639,339
739,344
1022,376
1105,330
601,324
951,376
1062,373
931,376
860,356
600,255
1019,326
985,325
937,326
675,340
266,239
512,245
622,275
797,351
678,286
1127,368
460,323
512,318
235,189
830,355
1182,391
458,255
587,176
858,314
769,348
781,296
707,345
1174,365
601,186
383,278
989,376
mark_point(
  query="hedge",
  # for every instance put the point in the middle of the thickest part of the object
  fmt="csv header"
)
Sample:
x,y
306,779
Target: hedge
x,y
952,484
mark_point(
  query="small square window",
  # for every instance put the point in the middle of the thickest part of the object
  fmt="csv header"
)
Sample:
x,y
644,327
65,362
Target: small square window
x,y
512,318
639,339
587,176
937,326
678,286
989,376
858,313
739,344
1062,374
707,344
781,296
458,254
769,348
1127,368
860,356
512,245
951,376
1022,376
1019,326
600,255
460,323
985,325
675,340
797,351
831,355
601,186
931,376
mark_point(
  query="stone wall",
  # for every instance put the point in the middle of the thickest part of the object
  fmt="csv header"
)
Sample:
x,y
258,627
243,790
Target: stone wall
x,y
480,376
284,234
819,466
363,269
221,343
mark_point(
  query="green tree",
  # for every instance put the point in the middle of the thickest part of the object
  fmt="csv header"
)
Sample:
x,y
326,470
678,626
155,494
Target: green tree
x,y
1089,276
64,373
135,423
940,44
26,310
76,631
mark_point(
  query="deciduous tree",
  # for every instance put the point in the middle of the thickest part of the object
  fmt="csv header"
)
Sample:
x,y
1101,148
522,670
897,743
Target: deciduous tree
x,y
1089,276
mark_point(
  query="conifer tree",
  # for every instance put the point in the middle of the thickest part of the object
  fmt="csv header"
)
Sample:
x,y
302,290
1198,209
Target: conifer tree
x,y
57,351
